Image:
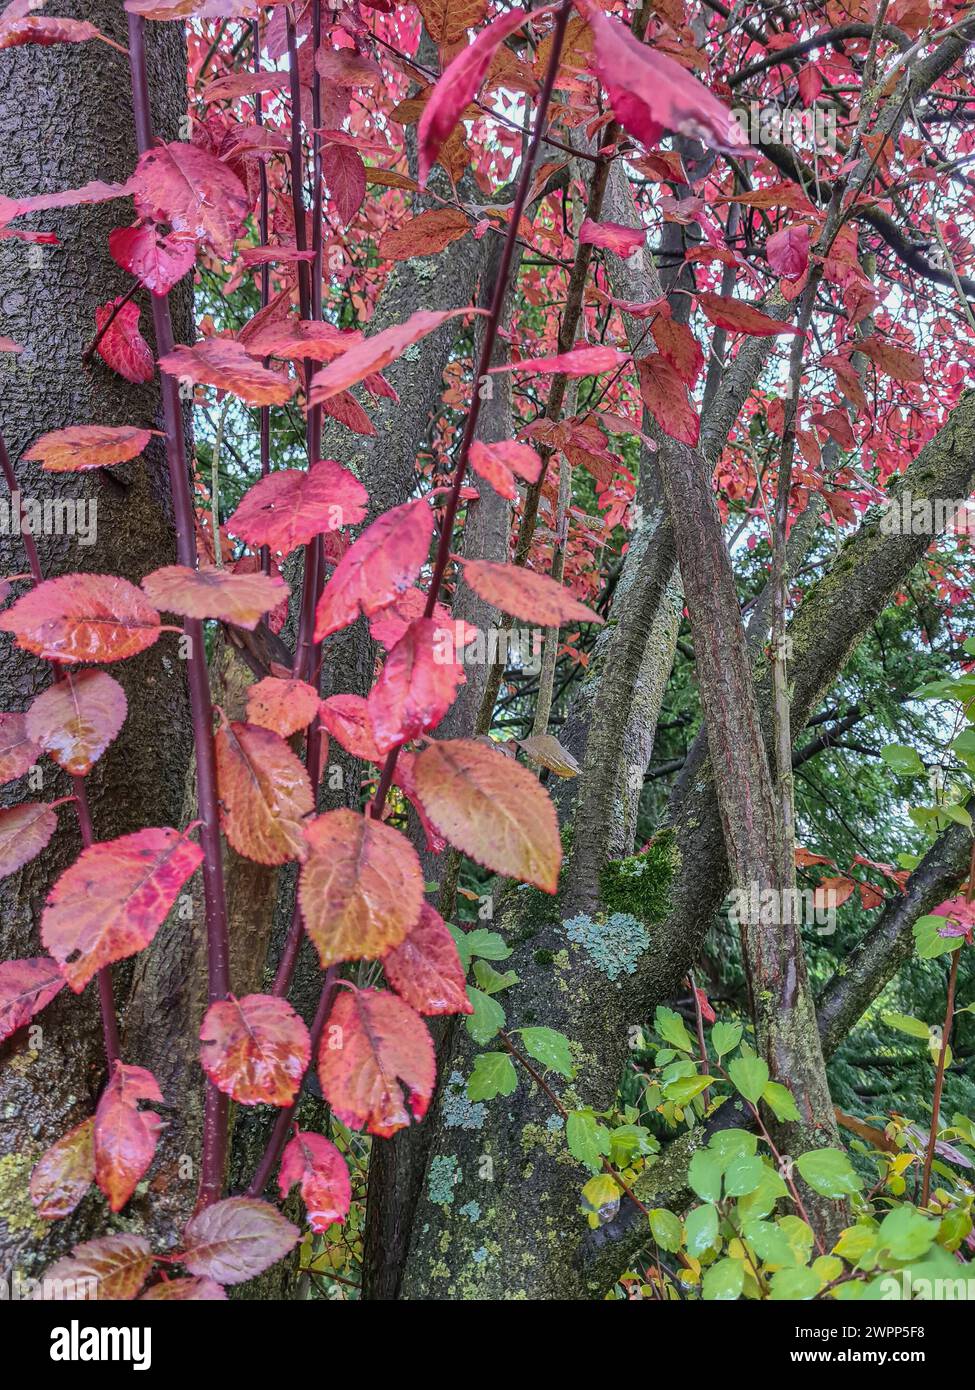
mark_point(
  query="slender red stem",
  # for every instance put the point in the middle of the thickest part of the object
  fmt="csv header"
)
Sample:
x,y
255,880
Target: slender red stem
x,y
279,1133
215,1135
263,222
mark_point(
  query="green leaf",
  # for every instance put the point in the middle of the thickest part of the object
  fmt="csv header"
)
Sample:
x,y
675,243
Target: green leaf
x,y
795,1284
630,1141
906,1234
671,1028
725,1037
549,1048
683,1089
704,1175
829,1172
493,1075
903,760
731,1142
928,942
958,814
479,942
491,980
701,1229
760,1202
770,1244
906,1023
667,1229
588,1140
487,1018
749,1076
964,748
743,1175
780,1101
724,1280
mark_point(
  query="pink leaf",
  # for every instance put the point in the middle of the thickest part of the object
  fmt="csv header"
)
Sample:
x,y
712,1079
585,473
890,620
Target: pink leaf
x,y
236,1239
612,236
426,970
122,347
125,1136
315,1162
788,251
290,507
157,262
26,987
383,562
417,685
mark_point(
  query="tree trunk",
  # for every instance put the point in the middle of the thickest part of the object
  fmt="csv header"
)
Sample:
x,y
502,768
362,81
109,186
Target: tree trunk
x,y
66,118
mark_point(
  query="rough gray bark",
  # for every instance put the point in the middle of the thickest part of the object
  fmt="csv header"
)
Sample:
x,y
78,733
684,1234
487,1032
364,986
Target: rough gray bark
x,y
66,118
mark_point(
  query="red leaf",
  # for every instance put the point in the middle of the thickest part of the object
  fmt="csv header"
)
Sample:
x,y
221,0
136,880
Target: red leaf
x,y
525,594
316,1163
17,751
265,794
426,969
491,808
650,93
111,901
581,361
110,1268
225,363
18,26
678,346
24,831
290,507
459,83
94,192
372,1042
391,622
497,463
899,362
383,562
83,617
236,1239
424,235
125,1136
788,251
26,987
345,175
122,347
735,316
298,338
448,21
707,1013
184,1290
282,705
344,67
63,1174
215,592
375,353
76,718
348,412
361,887
256,1049
192,190
810,84
88,446
416,687
346,717
612,236
157,262
665,396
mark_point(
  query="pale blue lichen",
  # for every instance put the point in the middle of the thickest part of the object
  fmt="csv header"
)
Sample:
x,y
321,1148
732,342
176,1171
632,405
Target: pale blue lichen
x,y
554,1123
443,1177
614,946
480,1255
458,1112
472,1210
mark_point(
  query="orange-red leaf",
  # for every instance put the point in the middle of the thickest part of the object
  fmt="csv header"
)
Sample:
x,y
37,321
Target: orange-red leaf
x,y
665,396
491,808
184,1291
282,705
88,446
121,346
361,887
215,592
264,792
383,562
157,262
424,235
288,508
426,969
110,1268
26,987
236,1239
225,363
416,687
347,718
111,901
83,617
373,1042
578,362
125,1136
24,831
255,1049
375,353
894,359
76,718
735,316
18,752
315,1162
525,594
63,1174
